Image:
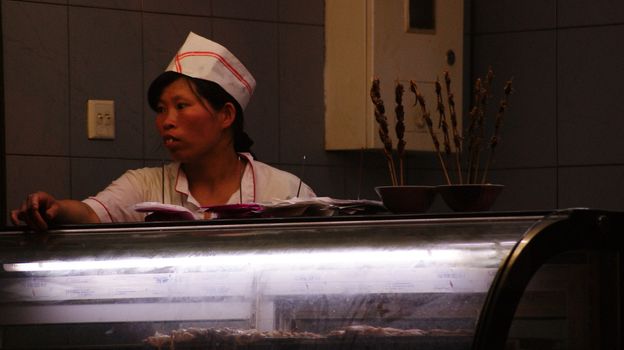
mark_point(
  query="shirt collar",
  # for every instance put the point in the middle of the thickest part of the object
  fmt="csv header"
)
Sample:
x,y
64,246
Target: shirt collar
x,y
248,184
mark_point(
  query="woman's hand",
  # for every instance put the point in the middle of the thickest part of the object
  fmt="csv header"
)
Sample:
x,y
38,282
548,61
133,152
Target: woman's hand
x,y
36,211
40,209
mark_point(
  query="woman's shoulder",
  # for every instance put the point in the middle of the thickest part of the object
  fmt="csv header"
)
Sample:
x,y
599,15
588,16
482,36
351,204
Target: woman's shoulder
x,y
271,172
272,183
150,172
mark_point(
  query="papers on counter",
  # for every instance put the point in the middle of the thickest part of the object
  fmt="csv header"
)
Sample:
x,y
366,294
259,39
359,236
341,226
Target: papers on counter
x,y
317,206
164,212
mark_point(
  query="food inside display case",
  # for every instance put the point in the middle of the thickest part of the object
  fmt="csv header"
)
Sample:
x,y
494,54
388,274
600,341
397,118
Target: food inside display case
x,y
401,282
351,337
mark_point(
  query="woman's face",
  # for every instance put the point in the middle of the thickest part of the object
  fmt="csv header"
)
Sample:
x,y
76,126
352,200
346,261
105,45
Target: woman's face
x,y
191,128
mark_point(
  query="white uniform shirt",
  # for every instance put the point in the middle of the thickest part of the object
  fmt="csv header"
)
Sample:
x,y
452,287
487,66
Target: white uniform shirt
x,y
260,183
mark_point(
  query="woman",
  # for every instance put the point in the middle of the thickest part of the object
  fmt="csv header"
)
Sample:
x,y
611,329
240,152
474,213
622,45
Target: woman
x,y
199,102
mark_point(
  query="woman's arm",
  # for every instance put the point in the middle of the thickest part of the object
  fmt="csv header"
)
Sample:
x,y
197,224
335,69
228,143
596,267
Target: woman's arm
x,y
41,209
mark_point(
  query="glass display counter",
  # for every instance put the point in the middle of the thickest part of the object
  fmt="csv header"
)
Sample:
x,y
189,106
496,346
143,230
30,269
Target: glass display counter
x,y
473,281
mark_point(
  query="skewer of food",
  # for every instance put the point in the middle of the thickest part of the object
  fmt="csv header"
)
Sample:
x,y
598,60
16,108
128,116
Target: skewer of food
x,y
442,124
427,117
502,107
484,95
457,140
384,134
400,129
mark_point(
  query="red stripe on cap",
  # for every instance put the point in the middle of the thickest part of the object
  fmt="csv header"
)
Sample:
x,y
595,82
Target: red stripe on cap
x,y
220,58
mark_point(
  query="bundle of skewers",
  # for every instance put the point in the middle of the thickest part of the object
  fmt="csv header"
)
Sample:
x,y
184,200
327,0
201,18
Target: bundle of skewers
x,y
384,132
464,153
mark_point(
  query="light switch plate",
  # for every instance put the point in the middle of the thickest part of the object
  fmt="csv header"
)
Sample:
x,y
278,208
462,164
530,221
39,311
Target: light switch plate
x,y
101,119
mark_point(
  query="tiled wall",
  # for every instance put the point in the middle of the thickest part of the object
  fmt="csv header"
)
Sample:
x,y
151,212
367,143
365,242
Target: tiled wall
x,y
561,144
562,140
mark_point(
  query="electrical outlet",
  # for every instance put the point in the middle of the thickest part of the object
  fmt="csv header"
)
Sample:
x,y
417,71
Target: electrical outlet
x,y
101,119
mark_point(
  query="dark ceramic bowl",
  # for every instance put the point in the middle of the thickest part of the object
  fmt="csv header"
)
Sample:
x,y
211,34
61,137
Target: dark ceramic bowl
x,y
470,197
406,199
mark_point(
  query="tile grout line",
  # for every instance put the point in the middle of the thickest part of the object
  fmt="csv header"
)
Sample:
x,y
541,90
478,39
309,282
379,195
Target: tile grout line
x,y
69,98
557,104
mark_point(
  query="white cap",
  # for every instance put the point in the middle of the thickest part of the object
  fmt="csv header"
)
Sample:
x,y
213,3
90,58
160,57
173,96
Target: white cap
x,y
204,59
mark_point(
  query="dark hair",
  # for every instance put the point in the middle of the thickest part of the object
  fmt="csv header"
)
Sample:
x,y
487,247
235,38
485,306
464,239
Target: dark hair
x,y
213,93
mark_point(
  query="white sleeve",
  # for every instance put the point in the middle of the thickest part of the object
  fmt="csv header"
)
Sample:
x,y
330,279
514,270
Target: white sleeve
x,y
115,203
